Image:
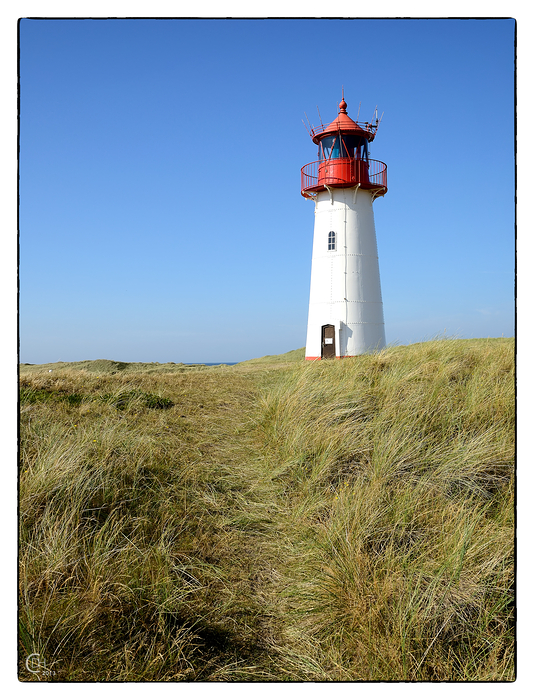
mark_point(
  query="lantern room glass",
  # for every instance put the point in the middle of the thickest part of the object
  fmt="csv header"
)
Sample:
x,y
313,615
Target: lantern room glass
x,y
344,146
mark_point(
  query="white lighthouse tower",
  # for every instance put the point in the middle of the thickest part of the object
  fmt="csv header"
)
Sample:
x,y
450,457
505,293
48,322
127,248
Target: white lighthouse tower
x,y
345,315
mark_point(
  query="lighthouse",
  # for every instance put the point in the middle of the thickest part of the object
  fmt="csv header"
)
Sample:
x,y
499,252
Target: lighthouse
x,y
345,315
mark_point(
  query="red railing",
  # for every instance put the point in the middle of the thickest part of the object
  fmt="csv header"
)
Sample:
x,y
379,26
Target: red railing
x,y
371,129
343,172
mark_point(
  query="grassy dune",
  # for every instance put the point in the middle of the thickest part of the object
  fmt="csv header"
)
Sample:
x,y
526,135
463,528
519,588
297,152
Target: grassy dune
x,y
274,520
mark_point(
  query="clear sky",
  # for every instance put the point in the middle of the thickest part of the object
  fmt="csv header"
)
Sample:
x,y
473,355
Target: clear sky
x,y
160,209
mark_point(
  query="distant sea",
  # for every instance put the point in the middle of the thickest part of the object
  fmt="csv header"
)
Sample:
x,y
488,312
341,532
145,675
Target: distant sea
x,y
211,364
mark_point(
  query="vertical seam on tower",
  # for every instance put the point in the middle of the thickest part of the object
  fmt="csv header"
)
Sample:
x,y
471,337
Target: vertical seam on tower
x,y
346,258
331,228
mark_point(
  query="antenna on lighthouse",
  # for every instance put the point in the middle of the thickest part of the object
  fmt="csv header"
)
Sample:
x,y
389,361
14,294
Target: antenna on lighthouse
x,y
319,113
310,130
358,110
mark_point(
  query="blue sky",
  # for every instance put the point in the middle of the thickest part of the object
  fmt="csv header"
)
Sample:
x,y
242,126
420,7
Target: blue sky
x,y
160,209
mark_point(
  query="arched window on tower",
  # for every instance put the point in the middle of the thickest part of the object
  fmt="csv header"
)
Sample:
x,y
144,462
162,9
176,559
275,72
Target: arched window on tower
x,y
331,240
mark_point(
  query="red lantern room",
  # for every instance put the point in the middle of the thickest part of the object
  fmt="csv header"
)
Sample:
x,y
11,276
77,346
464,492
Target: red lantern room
x,y
344,157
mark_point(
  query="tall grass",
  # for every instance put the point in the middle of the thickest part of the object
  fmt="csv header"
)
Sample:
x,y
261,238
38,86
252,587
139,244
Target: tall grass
x,y
133,515
271,521
399,471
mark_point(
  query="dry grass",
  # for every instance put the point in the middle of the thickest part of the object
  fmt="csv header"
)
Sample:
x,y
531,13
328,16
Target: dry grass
x,y
271,521
132,517
399,469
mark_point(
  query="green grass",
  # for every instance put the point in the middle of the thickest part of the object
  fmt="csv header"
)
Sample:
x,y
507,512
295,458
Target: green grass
x,y
291,356
274,520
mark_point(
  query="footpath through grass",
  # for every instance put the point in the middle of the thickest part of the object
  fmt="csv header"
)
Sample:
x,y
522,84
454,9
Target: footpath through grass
x,y
276,520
